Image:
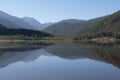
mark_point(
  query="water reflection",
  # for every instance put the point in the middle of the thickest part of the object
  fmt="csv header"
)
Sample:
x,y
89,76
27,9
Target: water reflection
x,y
101,52
71,51
16,52
64,61
109,53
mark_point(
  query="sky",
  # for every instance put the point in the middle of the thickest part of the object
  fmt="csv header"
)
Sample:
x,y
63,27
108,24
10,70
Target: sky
x,y
56,10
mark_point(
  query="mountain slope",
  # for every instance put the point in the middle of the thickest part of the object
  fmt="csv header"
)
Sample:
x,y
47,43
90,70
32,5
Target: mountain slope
x,y
108,27
6,31
17,23
70,29
72,21
34,23
13,22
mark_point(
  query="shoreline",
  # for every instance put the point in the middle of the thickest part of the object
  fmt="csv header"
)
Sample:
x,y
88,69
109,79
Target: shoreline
x,y
96,40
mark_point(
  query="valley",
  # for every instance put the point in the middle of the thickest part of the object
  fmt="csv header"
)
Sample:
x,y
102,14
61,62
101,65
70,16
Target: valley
x,y
102,29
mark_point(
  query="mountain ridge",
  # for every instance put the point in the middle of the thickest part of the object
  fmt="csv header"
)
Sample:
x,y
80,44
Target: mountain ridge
x,y
14,22
71,29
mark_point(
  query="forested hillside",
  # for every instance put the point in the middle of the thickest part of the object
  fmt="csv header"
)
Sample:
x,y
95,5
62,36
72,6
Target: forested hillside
x,y
70,28
108,27
15,32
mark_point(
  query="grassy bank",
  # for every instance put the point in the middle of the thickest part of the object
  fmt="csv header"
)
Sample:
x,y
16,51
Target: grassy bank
x,y
99,40
104,40
21,38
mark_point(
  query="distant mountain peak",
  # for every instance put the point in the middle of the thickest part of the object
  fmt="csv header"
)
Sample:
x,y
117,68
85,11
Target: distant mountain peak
x,y
1,12
14,22
35,23
31,18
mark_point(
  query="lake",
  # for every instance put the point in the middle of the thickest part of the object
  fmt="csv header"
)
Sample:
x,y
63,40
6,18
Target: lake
x,y
62,61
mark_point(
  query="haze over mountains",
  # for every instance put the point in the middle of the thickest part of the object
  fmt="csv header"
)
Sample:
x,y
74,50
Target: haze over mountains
x,y
11,25
36,24
10,21
66,28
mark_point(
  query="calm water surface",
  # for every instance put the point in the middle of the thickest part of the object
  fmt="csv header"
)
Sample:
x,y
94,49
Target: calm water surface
x,y
68,61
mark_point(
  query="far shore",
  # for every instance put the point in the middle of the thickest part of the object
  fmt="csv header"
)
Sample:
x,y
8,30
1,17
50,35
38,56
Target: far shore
x,y
104,40
101,40
96,40
22,40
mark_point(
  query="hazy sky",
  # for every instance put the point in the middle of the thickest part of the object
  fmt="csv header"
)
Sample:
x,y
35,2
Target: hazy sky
x,y
56,10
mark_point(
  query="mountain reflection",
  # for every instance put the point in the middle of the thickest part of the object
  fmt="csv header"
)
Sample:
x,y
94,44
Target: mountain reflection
x,y
20,52
109,53
71,51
